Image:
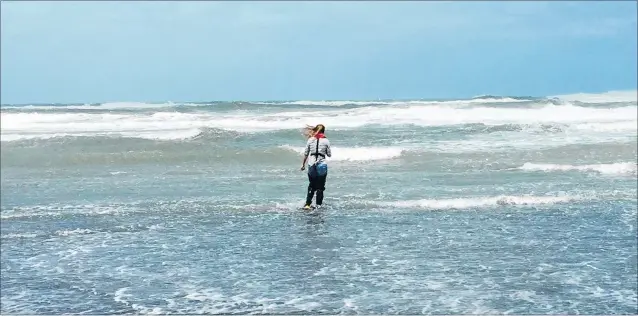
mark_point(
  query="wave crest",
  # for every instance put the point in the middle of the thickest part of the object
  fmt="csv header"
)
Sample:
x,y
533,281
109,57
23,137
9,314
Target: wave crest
x,y
479,202
605,97
356,153
619,168
177,125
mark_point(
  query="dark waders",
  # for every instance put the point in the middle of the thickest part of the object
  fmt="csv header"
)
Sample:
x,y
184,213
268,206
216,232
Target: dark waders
x,y
317,179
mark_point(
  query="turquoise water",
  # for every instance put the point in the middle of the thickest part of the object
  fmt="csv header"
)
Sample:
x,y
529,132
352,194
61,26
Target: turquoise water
x,y
490,205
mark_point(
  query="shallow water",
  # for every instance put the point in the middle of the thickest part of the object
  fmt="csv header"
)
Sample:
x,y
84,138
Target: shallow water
x,y
477,206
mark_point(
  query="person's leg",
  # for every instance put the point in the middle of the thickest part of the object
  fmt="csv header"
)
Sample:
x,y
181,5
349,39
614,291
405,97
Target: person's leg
x,y
321,186
311,190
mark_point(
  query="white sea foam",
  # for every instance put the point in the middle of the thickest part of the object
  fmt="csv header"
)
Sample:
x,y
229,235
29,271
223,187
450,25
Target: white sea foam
x,y
492,99
626,126
153,135
606,97
121,295
536,138
175,125
478,202
77,231
620,168
24,235
337,103
332,103
356,153
121,106
54,210
327,103
103,106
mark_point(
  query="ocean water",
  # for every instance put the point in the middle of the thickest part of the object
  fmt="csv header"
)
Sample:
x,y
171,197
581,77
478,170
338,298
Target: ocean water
x,y
488,205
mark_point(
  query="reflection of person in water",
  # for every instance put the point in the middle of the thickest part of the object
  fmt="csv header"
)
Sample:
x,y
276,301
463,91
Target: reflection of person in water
x,y
319,147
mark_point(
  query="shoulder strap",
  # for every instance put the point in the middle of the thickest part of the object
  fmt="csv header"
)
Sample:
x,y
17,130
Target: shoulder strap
x,y
317,150
317,153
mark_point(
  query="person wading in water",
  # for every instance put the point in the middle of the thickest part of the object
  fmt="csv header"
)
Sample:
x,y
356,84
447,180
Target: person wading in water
x,y
317,146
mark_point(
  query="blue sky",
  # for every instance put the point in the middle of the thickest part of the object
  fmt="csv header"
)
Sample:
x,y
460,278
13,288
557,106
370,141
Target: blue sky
x,y
200,51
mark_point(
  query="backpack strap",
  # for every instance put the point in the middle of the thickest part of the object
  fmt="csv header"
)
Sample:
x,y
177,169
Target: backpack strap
x,y
317,153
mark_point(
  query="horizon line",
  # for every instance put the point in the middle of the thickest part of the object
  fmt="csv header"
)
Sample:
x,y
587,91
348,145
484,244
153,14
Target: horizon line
x,y
487,96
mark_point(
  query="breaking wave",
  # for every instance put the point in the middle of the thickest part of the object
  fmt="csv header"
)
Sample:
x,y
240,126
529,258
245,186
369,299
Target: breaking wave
x,y
620,168
177,125
478,202
357,153
605,97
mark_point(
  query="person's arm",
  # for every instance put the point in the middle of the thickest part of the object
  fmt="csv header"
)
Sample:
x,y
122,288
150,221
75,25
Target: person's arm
x,y
305,156
328,150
